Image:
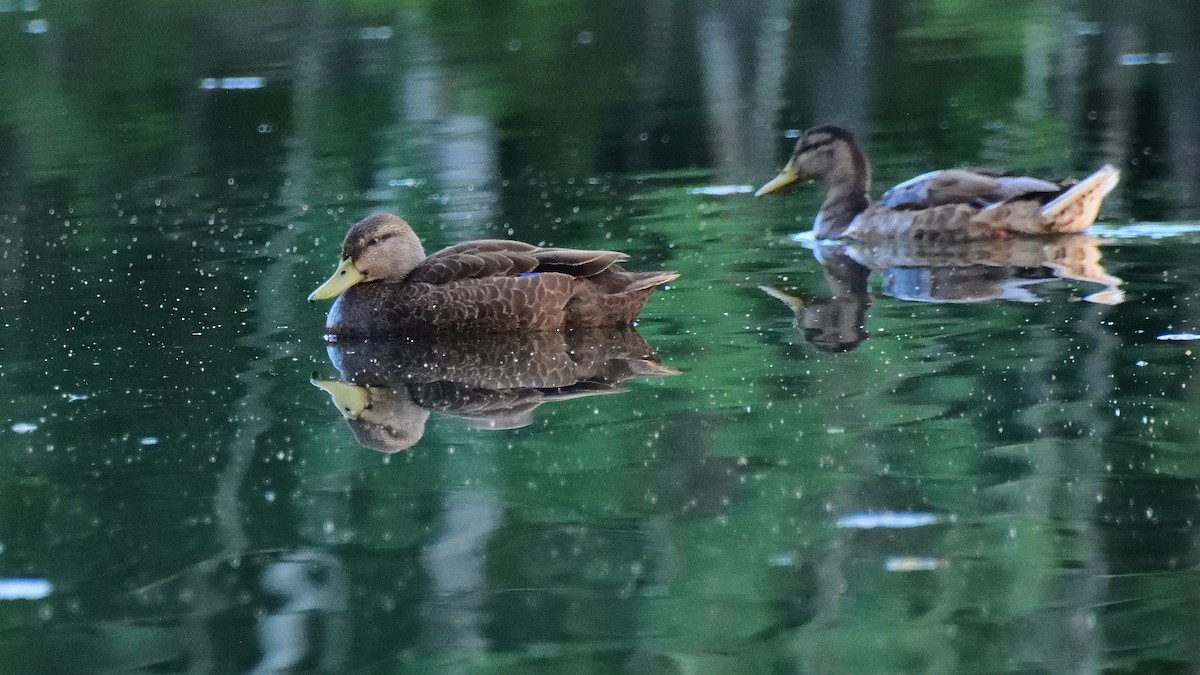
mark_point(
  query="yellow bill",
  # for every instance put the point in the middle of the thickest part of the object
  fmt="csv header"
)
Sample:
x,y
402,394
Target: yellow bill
x,y
785,178
345,276
351,400
790,300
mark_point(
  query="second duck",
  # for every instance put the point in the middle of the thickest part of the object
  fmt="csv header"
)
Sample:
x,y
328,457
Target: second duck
x,y
951,205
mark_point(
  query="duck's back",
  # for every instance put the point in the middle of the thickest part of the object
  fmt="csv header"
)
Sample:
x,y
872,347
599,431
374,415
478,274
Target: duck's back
x,y
976,187
1036,212
494,305
950,222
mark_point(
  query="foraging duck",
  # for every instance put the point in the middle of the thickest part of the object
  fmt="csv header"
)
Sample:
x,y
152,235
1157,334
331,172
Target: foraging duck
x,y
951,205
385,285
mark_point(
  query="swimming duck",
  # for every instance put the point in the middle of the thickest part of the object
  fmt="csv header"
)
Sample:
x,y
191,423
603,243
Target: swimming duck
x,y
952,204
385,285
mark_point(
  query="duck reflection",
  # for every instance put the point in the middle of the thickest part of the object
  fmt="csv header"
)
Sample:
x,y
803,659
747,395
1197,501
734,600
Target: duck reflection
x,y
388,388
925,271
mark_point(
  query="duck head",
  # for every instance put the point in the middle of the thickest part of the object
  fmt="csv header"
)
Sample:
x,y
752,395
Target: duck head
x,y
382,418
828,153
381,247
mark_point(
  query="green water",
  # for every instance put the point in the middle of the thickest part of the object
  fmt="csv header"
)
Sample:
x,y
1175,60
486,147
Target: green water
x,y
934,466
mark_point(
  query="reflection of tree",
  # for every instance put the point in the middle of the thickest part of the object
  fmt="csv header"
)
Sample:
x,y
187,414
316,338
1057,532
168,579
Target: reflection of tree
x,y
463,149
843,78
743,66
282,633
1063,636
1038,131
1117,119
1182,99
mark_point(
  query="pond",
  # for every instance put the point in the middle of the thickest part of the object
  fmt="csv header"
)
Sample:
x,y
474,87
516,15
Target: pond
x,y
808,456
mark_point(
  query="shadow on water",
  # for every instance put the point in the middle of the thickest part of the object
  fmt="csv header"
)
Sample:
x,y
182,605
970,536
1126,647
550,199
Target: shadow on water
x,y
940,272
389,387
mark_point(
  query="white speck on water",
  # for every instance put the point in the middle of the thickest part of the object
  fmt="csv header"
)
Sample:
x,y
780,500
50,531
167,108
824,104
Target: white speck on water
x,y
782,560
1147,58
1140,363
232,83
24,427
1148,230
907,563
886,519
375,33
148,440
37,26
1182,337
721,190
24,589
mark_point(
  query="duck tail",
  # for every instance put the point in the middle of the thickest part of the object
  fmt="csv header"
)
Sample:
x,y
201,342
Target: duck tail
x,y
1075,209
644,280
648,368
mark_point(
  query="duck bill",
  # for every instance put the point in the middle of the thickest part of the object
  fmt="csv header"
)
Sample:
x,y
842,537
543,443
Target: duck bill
x,y
351,400
788,299
785,178
345,276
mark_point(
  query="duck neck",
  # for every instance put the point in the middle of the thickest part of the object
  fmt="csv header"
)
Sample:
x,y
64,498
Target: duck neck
x,y
846,192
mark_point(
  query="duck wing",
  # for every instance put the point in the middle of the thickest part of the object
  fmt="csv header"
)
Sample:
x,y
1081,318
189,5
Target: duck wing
x,y
975,187
475,260
576,262
501,258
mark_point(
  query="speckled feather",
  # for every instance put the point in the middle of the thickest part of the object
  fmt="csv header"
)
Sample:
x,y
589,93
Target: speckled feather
x,y
494,304
1027,213
951,205
488,285
978,187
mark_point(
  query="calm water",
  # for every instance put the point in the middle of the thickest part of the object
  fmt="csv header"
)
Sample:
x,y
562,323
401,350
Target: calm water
x,y
850,460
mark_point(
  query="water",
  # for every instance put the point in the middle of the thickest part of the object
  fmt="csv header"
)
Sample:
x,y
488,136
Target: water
x,y
851,461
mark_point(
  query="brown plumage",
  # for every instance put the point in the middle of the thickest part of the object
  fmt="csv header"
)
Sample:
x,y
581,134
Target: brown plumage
x,y
389,387
387,286
949,205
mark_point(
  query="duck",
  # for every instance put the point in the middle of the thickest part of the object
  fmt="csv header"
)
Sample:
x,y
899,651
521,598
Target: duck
x,y
385,286
945,205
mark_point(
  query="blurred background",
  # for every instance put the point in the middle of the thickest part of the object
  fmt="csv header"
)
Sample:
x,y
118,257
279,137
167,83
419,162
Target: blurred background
x,y
1004,483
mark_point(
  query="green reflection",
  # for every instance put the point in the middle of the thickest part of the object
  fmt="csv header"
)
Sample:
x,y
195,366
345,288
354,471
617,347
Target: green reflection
x,y
196,505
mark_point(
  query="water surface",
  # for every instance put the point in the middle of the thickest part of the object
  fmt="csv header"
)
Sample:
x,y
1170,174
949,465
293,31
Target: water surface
x,y
907,465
